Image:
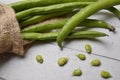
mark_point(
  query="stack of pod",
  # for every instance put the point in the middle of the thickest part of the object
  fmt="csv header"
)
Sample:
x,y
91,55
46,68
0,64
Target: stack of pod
x,y
60,19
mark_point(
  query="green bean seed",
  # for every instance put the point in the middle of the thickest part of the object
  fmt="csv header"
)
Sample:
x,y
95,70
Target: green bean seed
x,y
81,56
105,74
77,72
88,48
95,62
62,61
39,59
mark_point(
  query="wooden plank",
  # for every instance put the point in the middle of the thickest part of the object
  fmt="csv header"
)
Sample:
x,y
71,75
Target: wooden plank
x,y
28,69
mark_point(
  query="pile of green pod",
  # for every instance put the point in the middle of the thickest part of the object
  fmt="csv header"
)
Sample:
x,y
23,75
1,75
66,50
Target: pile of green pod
x,y
39,18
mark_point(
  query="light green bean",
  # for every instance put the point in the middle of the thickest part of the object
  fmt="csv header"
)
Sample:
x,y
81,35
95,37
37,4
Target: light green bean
x,y
23,5
95,62
62,61
53,35
105,74
82,15
41,18
88,48
81,56
60,22
50,9
39,59
77,72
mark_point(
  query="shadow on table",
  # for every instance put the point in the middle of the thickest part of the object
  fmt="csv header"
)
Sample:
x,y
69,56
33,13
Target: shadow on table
x,y
7,56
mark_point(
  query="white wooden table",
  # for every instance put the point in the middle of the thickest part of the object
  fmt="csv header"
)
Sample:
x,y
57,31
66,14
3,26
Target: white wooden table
x,y
107,49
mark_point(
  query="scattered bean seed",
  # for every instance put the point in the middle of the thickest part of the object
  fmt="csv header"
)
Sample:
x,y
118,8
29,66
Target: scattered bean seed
x,y
81,56
88,48
95,62
62,61
105,74
39,59
77,72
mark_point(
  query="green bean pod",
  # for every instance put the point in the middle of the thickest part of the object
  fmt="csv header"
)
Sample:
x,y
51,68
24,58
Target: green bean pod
x,y
59,23
115,11
45,26
59,7
53,35
50,9
93,23
82,15
23,5
40,18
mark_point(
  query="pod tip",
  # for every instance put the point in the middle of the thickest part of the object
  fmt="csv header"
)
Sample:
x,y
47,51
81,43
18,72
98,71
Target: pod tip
x,y
106,35
112,28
